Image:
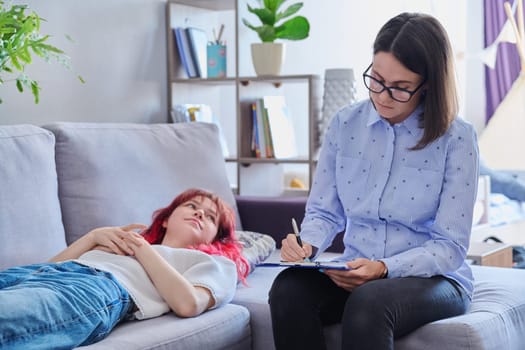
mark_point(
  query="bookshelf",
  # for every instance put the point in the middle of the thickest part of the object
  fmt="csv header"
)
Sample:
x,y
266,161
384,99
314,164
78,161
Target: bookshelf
x,y
228,97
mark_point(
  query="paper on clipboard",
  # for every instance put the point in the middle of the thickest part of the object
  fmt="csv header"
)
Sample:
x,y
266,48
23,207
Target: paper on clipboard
x,y
327,265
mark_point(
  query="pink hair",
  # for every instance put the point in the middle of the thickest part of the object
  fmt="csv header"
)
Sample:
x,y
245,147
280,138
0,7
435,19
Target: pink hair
x,y
225,243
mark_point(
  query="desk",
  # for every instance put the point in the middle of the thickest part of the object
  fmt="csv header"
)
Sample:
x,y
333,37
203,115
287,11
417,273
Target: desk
x,y
490,254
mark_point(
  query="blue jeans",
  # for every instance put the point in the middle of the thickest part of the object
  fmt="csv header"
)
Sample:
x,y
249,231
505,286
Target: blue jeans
x,y
58,306
303,301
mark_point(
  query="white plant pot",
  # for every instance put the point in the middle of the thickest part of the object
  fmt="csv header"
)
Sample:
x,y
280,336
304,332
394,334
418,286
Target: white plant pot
x,y
268,58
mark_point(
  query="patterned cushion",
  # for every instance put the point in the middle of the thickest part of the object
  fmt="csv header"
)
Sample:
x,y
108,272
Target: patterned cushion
x,y
257,247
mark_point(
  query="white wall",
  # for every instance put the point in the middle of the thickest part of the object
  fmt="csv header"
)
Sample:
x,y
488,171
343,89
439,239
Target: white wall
x,y
342,34
120,50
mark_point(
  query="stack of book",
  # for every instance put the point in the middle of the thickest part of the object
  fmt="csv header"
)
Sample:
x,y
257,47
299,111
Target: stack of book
x,y
273,134
191,45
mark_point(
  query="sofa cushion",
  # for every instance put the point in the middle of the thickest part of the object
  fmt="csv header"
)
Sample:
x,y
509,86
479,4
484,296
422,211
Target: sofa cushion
x,y
254,297
496,319
30,219
227,327
114,174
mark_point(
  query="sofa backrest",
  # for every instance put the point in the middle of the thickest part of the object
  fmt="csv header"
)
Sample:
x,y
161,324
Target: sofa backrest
x,y
31,227
116,174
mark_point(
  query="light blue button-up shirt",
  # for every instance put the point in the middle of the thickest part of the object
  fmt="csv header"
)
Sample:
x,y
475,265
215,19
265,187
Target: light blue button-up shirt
x,y
410,209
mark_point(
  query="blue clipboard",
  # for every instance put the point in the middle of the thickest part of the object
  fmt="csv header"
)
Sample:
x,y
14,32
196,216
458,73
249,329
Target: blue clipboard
x,y
326,265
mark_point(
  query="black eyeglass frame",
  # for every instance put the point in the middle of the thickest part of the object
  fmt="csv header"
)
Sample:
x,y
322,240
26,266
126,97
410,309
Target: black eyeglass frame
x,y
390,88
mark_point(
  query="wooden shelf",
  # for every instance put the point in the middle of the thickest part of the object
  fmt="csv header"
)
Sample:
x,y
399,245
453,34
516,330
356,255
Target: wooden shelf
x,y
216,5
229,105
204,81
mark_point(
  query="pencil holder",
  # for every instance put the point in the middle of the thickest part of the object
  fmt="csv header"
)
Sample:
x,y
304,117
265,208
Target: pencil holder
x,y
216,54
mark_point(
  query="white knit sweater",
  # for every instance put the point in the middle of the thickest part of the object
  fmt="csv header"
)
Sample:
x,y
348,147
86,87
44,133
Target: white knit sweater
x,y
215,273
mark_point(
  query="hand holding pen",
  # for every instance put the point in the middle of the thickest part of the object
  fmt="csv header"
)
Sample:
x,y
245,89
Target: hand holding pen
x,y
293,248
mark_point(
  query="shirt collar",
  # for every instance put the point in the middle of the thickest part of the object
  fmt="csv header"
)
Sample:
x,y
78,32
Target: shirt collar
x,y
411,123
373,116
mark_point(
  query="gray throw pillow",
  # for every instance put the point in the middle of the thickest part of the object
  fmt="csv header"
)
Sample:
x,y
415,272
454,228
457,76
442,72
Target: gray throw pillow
x,y
31,227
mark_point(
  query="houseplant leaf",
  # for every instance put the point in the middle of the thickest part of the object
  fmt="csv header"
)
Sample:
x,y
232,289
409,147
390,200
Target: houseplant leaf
x,y
289,11
296,28
20,37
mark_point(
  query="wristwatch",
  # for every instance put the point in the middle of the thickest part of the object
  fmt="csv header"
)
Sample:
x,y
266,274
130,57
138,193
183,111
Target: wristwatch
x,y
384,274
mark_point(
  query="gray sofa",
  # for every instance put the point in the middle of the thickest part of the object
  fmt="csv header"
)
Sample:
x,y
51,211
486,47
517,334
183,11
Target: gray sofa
x,y
60,181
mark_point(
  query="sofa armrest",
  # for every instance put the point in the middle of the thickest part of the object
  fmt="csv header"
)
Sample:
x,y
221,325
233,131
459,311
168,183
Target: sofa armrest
x,y
270,215
273,216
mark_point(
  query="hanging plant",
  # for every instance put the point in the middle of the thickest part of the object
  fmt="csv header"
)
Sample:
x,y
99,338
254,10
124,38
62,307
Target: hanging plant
x,y
20,38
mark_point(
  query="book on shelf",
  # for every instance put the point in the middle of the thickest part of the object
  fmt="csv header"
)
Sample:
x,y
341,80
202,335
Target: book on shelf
x,y
247,129
262,135
184,113
184,50
268,137
281,129
273,133
198,42
255,147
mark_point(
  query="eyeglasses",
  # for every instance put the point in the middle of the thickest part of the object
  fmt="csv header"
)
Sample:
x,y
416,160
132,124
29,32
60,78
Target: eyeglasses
x,y
397,94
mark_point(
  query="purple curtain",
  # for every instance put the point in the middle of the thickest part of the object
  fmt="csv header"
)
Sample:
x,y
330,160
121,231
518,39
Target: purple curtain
x,y
498,80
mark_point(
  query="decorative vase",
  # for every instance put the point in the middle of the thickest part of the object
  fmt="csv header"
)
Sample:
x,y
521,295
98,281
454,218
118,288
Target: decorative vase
x,y
339,90
268,58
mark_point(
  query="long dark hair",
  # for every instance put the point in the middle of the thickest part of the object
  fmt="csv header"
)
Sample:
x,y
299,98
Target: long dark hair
x,y
421,44
225,243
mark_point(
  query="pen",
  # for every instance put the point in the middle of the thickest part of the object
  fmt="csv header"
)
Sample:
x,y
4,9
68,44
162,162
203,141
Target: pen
x,y
296,231
220,34
297,236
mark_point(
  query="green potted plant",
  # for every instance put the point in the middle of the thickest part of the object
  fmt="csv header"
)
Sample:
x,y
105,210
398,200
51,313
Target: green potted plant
x,y
20,38
268,55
